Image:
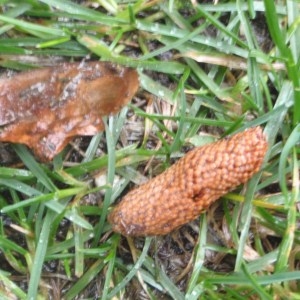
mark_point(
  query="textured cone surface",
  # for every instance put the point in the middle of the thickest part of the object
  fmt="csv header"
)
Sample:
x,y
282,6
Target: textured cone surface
x,y
190,186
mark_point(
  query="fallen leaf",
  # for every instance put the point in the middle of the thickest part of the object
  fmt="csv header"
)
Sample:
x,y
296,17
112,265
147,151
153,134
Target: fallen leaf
x,y
45,108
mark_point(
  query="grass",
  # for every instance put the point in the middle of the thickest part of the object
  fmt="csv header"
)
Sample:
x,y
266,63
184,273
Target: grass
x,y
206,71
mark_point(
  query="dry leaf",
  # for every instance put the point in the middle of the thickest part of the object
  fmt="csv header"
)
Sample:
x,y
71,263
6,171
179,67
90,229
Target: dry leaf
x,y
45,108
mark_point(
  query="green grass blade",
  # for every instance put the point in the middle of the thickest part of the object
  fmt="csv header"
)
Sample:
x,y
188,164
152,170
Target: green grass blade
x,y
133,271
39,257
34,167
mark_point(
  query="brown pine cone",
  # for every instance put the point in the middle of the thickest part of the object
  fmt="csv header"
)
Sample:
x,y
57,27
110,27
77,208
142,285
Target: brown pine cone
x,y
190,186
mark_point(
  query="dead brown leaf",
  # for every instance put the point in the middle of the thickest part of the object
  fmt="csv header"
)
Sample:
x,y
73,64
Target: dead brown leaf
x,y
45,108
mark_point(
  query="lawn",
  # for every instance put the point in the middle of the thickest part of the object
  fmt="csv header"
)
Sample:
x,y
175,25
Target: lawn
x,y
207,70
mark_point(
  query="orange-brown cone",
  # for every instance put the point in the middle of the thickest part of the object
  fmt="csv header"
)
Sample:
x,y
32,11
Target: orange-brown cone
x,y
190,186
